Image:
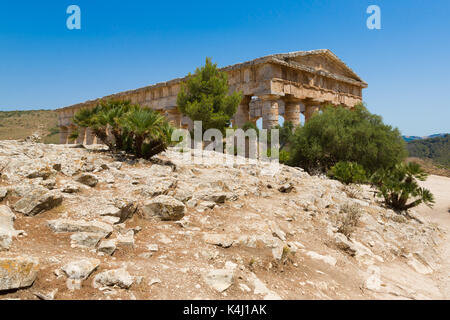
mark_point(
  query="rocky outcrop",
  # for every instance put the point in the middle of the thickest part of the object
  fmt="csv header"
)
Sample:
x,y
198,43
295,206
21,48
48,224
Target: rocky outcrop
x,y
118,277
68,225
220,279
140,229
37,201
164,208
7,231
78,271
17,272
88,179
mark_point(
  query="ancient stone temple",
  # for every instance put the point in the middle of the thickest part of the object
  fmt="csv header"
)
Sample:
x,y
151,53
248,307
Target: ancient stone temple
x,y
292,85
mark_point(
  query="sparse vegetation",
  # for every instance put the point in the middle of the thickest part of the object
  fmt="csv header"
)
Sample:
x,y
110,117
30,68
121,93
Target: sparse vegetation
x,y
431,167
348,219
399,185
16,125
353,191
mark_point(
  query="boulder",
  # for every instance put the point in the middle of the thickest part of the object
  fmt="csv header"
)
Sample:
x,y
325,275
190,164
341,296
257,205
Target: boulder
x,y
88,179
3,193
109,210
286,188
85,239
7,231
164,208
70,188
107,247
67,225
212,196
37,201
344,244
207,204
221,240
153,247
17,272
78,271
117,277
156,187
219,279
126,239
324,258
260,288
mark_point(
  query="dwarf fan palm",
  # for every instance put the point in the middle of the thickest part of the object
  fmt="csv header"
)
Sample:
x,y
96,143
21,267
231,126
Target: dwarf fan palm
x,y
146,127
399,184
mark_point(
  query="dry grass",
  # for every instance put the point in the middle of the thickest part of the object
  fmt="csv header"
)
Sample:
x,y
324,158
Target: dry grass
x,y
353,191
16,125
430,167
347,219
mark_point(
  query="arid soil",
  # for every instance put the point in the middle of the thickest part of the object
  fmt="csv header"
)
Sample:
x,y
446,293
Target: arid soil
x,y
440,215
96,226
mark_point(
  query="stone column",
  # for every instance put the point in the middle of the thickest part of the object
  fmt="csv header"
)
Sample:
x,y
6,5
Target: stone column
x,y
310,109
187,123
89,136
70,130
292,111
269,111
81,135
242,113
63,134
174,117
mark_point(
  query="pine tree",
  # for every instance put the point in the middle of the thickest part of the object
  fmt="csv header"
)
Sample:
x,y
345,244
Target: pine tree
x,y
204,97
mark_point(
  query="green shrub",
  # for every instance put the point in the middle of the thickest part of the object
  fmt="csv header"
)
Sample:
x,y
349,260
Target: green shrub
x,y
399,184
340,134
136,130
250,125
285,133
285,156
348,172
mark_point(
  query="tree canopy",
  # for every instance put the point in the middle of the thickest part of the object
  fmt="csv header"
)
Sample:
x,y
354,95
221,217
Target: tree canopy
x,y
340,134
205,97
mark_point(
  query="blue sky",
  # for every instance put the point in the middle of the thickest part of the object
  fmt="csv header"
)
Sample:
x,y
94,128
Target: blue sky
x,y
124,45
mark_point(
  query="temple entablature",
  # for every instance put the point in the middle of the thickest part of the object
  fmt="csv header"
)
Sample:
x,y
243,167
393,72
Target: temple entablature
x,y
287,85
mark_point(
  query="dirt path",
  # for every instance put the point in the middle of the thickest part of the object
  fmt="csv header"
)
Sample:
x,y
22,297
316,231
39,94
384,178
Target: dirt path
x,y
440,214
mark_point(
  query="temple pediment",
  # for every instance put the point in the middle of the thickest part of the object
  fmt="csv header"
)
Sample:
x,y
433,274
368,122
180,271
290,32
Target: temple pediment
x,y
322,61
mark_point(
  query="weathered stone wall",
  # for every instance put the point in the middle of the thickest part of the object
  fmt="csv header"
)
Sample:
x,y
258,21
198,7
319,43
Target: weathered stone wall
x,y
283,84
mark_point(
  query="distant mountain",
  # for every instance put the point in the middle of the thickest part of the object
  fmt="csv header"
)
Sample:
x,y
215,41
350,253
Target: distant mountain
x,y
413,138
436,148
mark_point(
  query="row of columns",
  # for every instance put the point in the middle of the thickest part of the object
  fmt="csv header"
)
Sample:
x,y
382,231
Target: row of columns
x,y
85,135
270,110
269,114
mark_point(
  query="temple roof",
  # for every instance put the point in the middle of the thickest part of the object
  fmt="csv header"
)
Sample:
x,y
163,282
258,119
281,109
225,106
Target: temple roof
x,y
300,60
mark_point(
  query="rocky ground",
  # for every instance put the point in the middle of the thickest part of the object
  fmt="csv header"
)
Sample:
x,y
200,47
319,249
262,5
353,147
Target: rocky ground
x,y
78,223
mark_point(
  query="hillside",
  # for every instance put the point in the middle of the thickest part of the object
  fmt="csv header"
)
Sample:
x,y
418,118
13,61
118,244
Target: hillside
x,y
21,124
436,149
80,224
413,138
